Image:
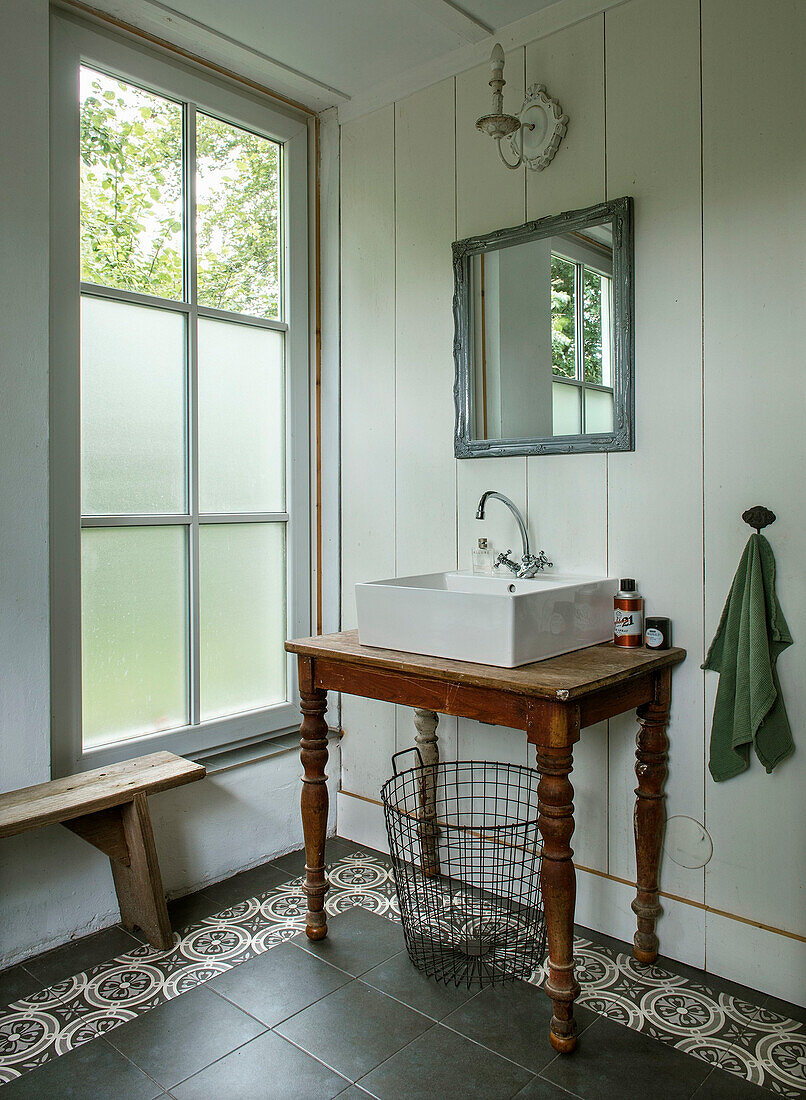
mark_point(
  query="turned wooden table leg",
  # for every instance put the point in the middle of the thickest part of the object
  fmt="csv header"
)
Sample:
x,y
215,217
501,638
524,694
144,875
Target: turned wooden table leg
x,y
426,722
314,804
650,813
558,882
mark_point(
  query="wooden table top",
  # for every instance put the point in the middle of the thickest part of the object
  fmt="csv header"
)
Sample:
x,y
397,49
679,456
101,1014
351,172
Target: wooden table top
x,y
571,676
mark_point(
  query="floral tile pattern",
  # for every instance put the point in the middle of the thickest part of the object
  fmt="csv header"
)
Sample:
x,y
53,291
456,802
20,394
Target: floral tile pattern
x,y
744,1039
741,1038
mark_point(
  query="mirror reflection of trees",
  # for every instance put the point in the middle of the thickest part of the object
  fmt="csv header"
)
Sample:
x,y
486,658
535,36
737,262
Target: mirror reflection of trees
x,y
563,339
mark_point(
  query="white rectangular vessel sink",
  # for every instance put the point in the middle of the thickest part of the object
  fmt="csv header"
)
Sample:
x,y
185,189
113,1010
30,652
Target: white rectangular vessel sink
x,y
492,620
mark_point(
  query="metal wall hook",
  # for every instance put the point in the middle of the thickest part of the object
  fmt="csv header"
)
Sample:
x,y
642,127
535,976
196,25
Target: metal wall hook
x,y
758,516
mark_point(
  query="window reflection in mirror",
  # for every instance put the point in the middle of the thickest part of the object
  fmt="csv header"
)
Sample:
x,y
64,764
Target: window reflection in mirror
x,y
542,347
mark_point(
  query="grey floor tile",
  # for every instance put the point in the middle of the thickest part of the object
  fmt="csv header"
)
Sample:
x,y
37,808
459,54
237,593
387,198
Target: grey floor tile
x,y
279,983
719,1085
356,941
192,908
353,1093
615,1061
266,1067
247,884
80,955
787,1009
17,982
93,1071
513,1020
442,1064
400,978
541,1089
179,1038
711,981
335,849
354,1029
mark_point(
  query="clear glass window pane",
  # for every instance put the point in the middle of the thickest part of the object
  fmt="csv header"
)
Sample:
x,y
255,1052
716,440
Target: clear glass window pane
x,y
565,400
133,409
131,187
134,618
241,418
242,616
598,411
607,332
563,322
237,219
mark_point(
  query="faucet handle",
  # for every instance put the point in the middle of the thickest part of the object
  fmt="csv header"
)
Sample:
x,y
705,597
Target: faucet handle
x,y
505,559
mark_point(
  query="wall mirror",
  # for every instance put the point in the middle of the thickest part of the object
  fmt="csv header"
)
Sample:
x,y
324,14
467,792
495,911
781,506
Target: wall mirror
x,y
544,335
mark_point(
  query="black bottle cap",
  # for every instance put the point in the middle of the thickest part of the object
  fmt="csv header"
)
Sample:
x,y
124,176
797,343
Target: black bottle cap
x,y
627,584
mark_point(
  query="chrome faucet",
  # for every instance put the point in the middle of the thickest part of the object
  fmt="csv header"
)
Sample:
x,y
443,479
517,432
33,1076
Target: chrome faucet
x,y
529,565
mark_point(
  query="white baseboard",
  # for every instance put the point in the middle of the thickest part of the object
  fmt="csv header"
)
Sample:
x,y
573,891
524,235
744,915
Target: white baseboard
x,y
361,821
741,952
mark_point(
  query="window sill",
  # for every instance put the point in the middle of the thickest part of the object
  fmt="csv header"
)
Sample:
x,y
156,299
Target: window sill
x,y
227,758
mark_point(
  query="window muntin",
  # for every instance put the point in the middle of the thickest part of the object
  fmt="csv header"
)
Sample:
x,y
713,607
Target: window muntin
x,y
183,416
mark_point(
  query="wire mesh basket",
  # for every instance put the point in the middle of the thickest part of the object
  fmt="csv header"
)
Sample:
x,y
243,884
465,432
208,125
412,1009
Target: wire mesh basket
x,y
466,859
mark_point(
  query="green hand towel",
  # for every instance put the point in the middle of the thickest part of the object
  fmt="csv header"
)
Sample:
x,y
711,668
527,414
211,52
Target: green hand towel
x,y
752,634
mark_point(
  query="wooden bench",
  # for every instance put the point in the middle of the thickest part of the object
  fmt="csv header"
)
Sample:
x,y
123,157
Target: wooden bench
x,y
109,808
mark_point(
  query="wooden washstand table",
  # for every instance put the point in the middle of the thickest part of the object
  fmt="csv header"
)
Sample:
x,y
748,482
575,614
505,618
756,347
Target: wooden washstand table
x,y
552,701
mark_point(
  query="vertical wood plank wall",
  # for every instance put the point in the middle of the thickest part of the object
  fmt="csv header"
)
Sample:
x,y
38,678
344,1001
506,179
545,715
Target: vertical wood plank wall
x,y
699,120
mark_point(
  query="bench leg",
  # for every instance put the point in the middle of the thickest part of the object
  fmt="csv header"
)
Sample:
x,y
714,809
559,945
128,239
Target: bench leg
x,y
139,885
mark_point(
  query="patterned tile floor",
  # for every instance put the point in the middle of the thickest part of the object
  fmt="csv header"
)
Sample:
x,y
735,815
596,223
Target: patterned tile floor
x,y
751,1040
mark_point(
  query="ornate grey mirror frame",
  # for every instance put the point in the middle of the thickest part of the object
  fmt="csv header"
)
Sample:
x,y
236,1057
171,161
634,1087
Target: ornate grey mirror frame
x,y
620,213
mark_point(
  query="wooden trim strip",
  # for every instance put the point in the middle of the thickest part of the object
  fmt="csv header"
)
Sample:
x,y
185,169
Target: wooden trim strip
x,y
699,905
187,55
626,882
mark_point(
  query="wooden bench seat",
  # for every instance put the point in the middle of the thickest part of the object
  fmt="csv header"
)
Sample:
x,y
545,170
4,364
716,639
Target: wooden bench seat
x,y
108,808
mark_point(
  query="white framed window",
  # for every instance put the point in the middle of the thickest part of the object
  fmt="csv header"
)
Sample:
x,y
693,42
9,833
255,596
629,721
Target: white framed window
x,y
180,558
581,335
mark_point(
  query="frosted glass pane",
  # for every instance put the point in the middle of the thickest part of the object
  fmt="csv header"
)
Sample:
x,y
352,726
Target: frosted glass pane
x,y
241,418
598,411
133,631
133,387
565,401
242,616
131,187
237,219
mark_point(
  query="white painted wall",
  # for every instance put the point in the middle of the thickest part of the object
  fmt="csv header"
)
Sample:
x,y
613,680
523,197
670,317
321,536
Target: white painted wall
x,y
719,181
52,885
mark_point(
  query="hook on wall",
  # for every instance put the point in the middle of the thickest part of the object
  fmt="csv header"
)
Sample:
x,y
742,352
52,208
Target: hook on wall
x,y
758,516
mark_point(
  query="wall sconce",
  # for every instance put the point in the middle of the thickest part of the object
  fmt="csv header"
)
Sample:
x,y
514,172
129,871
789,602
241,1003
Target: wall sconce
x,y
535,133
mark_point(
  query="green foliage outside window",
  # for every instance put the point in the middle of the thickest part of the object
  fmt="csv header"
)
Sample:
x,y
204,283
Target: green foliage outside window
x,y
592,324
132,195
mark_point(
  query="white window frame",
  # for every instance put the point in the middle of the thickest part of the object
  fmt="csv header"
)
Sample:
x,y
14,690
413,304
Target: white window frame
x,y
75,43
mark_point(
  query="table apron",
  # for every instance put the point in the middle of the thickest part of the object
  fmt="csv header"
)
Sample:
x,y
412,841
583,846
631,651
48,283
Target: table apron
x,y
501,708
